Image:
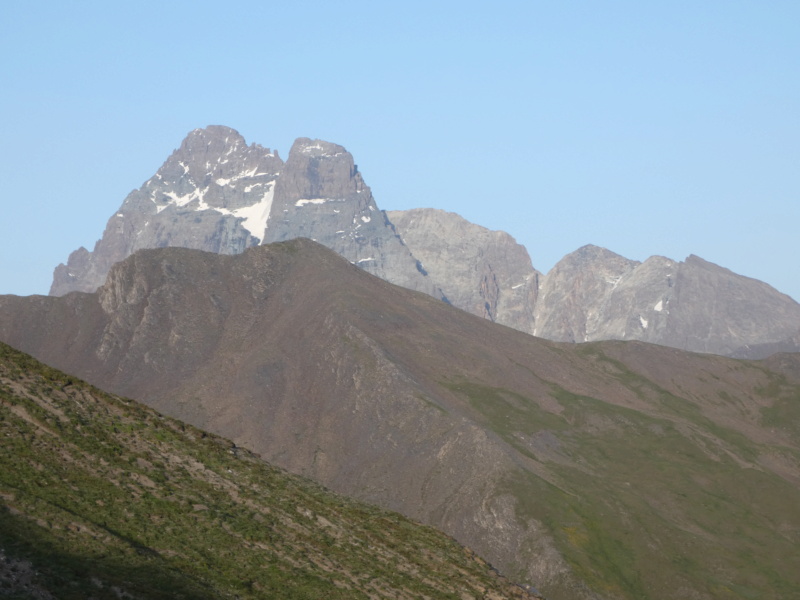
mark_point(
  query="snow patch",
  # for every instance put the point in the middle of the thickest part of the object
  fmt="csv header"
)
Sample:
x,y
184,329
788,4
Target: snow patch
x,y
254,217
308,149
659,307
364,260
220,182
197,194
643,321
323,152
366,219
304,201
515,287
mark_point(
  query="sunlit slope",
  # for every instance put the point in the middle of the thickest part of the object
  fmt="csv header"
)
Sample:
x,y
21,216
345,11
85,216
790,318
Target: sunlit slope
x,y
103,498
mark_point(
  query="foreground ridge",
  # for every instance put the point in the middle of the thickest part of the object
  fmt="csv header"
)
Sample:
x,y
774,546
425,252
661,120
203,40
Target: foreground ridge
x,y
104,498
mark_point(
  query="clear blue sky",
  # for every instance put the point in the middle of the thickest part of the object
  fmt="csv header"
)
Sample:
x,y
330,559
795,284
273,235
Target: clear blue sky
x,y
667,128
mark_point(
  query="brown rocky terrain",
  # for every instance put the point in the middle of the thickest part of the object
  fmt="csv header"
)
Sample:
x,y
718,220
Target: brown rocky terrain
x,y
600,470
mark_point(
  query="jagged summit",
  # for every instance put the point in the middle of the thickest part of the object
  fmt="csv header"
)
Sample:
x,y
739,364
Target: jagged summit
x,y
219,194
216,193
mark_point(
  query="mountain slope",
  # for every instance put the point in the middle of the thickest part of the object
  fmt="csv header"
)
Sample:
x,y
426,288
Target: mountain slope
x,y
602,470
483,272
594,294
102,498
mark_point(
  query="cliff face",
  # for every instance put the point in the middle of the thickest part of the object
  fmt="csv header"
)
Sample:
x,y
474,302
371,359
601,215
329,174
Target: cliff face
x,y
214,193
593,294
481,271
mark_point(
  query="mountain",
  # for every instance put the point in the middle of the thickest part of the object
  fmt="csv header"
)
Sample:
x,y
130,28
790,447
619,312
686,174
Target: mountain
x,y
216,193
594,294
481,271
104,498
600,470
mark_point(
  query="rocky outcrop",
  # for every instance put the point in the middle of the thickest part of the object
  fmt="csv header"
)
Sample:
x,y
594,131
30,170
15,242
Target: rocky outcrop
x,y
322,196
594,294
484,272
214,193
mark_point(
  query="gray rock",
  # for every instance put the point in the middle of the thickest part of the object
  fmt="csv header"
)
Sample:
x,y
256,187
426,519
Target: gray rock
x,y
481,271
593,294
322,196
214,193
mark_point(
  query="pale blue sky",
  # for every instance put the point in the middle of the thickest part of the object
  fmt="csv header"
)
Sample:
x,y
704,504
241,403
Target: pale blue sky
x,y
667,128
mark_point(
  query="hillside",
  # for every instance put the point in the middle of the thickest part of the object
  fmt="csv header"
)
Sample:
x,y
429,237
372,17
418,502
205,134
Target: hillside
x,y
601,470
104,498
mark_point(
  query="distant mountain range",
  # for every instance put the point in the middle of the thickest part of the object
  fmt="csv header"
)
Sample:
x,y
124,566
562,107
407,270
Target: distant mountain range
x,y
603,470
218,194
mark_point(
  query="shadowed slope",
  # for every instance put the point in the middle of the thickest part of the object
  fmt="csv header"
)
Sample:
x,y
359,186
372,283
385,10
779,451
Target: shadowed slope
x,y
606,470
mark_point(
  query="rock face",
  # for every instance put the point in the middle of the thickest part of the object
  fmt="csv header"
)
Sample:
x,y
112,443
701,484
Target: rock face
x,y
216,193
481,271
593,294
322,196
604,470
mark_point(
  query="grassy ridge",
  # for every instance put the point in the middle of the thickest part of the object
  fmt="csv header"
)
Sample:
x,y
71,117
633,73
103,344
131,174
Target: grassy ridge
x,y
103,497
648,505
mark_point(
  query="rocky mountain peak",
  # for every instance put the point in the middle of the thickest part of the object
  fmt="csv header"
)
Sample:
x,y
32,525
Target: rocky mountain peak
x,y
595,255
208,161
214,139
216,193
213,193
319,170
219,194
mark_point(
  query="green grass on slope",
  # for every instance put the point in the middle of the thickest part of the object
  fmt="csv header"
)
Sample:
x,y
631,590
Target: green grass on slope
x,y
648,507
107,498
